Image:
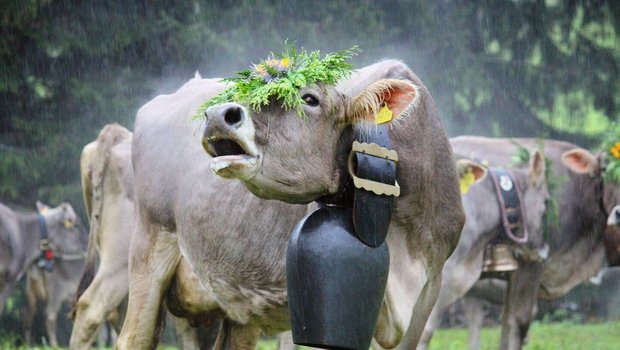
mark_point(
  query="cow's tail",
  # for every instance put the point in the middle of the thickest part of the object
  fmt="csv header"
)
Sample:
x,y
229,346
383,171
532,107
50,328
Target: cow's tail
x,y
91,253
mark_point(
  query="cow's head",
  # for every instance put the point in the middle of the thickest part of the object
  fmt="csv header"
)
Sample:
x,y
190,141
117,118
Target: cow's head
x,y
584,162
536,195
62,226
280,154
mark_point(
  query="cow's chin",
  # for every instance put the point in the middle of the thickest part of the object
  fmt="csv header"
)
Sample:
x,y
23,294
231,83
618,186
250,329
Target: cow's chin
x,y
242,167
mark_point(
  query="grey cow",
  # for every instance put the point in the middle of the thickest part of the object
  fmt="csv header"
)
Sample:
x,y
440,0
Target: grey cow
x,y
483,224
577,246
107,182
21,235
233,241
280,155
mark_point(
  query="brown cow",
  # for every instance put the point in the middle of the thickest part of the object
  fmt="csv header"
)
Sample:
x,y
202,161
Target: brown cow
x,y
577,244
483,222
279,155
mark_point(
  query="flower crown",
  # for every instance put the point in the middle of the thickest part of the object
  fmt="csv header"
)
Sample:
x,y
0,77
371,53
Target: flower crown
x,y
281,76
611,146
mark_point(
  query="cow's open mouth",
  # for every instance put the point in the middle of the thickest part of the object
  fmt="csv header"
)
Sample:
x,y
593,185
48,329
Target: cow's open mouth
x,y
226,147
232,158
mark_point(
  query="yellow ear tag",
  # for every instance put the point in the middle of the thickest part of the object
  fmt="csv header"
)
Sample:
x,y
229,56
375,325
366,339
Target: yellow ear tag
x,y
384,115
68,224
467,180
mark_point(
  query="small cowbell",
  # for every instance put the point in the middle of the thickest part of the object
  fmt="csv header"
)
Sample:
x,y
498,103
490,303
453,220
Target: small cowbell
x,y
499,258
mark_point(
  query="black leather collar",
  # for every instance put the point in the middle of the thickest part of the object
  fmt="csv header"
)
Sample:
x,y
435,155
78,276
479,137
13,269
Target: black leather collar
x,y
46,256
511,205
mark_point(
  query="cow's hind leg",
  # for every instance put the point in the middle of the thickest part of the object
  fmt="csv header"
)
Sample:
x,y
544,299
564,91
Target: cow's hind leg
x,y
99,301
521,299
153,258
29,310
234,336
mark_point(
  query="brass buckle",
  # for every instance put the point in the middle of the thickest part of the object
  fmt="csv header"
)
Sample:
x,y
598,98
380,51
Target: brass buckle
x,y
369,185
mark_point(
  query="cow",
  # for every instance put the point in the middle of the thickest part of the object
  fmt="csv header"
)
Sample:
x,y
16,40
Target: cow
x,y
107,182
278,154
46,246
482,224
234,242
576,241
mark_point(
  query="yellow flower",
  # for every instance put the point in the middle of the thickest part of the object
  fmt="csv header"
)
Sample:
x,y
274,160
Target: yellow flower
x,y
615,150
285,62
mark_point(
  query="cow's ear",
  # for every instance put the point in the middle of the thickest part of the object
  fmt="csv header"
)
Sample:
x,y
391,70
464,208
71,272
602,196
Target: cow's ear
x,y
383,101
537,167
580,161
469,172
42,208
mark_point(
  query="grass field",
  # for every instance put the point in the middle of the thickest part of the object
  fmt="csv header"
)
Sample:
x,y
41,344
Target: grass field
x,y
542,336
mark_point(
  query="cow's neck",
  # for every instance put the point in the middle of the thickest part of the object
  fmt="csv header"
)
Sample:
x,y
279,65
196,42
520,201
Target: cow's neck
x,y
344,194
30,235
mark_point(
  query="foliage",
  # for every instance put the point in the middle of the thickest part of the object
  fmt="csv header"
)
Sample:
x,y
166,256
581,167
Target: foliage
x,y
611,147
281,76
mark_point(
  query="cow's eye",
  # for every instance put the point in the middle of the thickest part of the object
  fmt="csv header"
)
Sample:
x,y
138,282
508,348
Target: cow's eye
x,y
310,100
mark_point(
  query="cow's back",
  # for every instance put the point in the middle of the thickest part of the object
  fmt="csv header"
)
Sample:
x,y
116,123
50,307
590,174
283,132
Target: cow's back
x,y
234,241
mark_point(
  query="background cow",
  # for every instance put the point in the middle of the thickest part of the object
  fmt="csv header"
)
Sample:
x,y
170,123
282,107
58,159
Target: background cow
x,y
280,155
107,177
20,236
576,239
483,224
107,182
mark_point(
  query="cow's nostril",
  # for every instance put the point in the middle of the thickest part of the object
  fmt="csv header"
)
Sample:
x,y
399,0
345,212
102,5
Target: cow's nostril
x,y
233,116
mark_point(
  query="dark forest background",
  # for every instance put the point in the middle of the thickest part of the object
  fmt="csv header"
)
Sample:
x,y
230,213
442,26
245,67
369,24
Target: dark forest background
x,y
532,68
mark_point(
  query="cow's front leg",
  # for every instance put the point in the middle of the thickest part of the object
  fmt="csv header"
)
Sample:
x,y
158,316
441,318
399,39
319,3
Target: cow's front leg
x,y
520,302
51,316
153,258
235,336
473,308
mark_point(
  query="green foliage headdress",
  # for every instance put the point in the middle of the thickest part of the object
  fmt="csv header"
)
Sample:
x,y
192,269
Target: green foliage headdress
x,y
611,146
281,76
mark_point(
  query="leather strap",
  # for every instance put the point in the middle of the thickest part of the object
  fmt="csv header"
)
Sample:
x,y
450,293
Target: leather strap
x,y
372,166
46,258
510,203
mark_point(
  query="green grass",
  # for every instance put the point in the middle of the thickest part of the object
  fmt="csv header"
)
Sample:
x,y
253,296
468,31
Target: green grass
x,y
542,336
561,336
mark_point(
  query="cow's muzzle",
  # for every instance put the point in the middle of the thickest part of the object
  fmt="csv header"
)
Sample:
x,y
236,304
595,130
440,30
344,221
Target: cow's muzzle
x,y
614,217
228,137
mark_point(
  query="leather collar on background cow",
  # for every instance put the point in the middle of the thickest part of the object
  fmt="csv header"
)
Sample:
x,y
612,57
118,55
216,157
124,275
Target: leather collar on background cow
x,y
46,257
511,205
